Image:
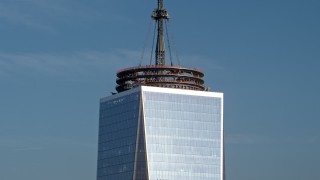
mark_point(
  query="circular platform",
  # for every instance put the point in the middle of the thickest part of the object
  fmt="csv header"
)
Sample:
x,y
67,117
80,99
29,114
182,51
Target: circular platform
x,y
160,76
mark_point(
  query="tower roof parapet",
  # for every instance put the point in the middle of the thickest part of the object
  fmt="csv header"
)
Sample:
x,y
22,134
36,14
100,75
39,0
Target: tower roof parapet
x,y
160,76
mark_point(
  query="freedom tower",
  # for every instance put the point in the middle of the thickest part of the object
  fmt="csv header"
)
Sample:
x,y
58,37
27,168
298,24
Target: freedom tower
x,y
163,124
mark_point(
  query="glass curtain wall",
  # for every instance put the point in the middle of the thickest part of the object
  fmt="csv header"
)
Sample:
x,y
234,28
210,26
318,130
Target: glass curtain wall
x,y
117,137
183,136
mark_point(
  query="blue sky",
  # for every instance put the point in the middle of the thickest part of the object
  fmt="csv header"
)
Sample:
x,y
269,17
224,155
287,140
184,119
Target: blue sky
x,y
58,57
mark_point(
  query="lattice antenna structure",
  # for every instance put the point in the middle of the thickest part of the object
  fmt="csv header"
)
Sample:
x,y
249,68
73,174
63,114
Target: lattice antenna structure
x,y
160,15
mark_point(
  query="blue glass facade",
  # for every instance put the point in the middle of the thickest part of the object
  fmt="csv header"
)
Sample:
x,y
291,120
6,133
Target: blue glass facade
x,y
117,137
157,133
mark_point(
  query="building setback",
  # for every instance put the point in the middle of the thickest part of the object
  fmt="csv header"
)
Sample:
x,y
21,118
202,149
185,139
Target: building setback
x,y
162,124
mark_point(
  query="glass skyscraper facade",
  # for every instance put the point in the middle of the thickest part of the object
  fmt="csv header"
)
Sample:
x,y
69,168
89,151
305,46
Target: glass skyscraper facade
x,y
152,133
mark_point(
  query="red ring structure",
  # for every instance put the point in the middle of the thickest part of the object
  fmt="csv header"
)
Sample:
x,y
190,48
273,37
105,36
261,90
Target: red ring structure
x,y
160,76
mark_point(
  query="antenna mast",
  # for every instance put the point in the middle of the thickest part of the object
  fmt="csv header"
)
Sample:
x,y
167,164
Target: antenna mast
x,y
160,74
159,15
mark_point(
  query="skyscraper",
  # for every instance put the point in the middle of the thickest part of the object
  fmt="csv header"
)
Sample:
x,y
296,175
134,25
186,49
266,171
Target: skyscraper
x,y
162,124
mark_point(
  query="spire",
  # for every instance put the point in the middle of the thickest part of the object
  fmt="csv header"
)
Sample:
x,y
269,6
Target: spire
x,y
159,15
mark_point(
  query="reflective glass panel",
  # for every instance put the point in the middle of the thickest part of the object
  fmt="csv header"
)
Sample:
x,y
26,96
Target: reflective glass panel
x,y
183,136
117,137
